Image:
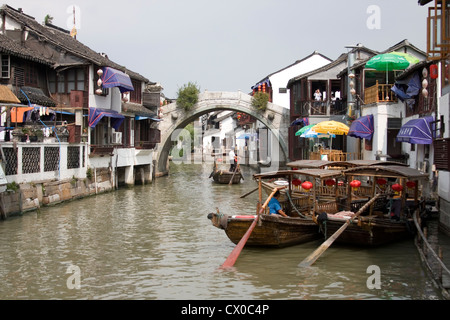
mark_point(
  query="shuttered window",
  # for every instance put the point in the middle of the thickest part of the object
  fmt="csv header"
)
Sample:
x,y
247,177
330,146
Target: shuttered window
x,y
442,154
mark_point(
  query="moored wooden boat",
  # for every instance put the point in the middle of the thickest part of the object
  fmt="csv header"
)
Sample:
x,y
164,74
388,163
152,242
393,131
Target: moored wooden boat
x,y
271,231
376,225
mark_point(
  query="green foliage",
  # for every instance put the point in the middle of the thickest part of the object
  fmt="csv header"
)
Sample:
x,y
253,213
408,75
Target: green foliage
x,y
260,101
89,174
48,19
13,187
188,96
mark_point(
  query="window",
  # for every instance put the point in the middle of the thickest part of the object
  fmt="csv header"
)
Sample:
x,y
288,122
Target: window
x,y
6,64
136,95
282,90
67,81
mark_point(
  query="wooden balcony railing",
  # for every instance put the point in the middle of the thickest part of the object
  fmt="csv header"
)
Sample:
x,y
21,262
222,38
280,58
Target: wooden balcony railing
x,y
379,93
334,155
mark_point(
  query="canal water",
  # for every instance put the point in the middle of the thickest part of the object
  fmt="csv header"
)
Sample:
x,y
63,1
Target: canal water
x,y
155,242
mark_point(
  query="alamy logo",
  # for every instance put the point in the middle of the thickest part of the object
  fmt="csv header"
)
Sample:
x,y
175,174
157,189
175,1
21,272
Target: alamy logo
x,y
74,280
374,20
374,281
73,21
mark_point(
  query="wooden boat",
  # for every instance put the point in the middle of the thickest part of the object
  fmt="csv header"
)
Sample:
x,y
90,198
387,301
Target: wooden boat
x,y
375,226
271,231
226,176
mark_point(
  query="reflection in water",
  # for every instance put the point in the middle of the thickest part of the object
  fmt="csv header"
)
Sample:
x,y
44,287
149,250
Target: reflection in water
x,y
155,242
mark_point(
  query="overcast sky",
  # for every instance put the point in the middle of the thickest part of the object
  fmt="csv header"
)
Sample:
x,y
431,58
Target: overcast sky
x,y
229,45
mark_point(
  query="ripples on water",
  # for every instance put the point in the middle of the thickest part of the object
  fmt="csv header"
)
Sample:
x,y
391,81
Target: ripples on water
x,y
155,242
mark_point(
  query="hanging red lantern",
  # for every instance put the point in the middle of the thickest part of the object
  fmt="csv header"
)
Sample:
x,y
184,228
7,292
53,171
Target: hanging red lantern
x,y
355,184
411,184
397,188
381,182
330,182
434,72
296,182
307,186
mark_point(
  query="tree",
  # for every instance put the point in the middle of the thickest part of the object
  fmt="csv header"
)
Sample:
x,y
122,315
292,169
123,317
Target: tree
x,y
188,96
260,100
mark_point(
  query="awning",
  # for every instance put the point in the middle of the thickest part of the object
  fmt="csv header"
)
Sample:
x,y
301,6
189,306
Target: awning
x,y
417,131
265,81
300,122
137,118
114,78
95,115
362,128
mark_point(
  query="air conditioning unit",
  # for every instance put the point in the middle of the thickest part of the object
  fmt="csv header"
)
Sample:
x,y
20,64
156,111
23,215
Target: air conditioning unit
x,y
117,138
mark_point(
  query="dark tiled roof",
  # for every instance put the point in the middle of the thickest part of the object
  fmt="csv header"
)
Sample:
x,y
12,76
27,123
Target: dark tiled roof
x,y
137,109
63,40
36,96
8,46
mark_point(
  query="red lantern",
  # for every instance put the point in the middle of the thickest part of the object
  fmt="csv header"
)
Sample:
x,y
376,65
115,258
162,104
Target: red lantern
x,y
434,73
397,187
307,186
355,184
381,182
411,184
296,182
330,183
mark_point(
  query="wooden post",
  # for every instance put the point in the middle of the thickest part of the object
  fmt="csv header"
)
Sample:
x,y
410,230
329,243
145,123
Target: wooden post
x,y
373,192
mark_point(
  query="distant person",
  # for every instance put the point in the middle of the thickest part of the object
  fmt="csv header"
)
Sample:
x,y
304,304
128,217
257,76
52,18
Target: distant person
x,y
317,95
275,206
233,160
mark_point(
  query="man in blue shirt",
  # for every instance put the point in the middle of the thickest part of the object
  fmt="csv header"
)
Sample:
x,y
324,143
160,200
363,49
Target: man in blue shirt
x,y
275,207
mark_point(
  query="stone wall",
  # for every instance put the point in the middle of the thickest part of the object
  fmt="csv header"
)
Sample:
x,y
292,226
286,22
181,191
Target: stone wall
x,y
31,196
444,216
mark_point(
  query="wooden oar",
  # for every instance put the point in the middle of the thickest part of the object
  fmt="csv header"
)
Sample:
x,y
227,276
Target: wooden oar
x,y
231,260
235,170
309,261
247,194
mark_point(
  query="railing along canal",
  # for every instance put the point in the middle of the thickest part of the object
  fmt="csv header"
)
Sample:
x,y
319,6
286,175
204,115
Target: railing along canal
x,y
433,261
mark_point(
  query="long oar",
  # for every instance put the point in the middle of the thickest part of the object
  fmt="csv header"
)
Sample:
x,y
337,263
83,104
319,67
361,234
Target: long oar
x,y
247,194
309,261
235,170
231,260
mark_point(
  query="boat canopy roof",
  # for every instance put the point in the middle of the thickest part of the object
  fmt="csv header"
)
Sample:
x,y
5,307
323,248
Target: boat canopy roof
x,y
316,173
300,164
387,171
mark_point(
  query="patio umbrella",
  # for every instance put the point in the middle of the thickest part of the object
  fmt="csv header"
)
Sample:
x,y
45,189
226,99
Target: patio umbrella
x,y
332,128
387,62
303,130
311,133
411,59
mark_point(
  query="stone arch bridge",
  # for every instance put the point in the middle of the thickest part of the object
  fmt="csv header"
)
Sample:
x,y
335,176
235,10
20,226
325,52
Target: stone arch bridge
x,y
275,118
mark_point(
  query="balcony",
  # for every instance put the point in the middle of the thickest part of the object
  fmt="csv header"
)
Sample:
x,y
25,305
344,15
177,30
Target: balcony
x,y
379,93
334,155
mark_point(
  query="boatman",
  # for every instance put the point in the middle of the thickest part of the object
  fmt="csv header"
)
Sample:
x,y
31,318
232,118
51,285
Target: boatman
x,y
275,206
233,160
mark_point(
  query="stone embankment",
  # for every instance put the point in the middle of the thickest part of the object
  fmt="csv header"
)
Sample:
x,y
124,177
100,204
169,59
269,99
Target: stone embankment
x,y
32,196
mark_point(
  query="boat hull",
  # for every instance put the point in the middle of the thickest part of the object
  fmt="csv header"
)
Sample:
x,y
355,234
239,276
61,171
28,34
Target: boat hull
x,y
270,231
370,231
224,177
